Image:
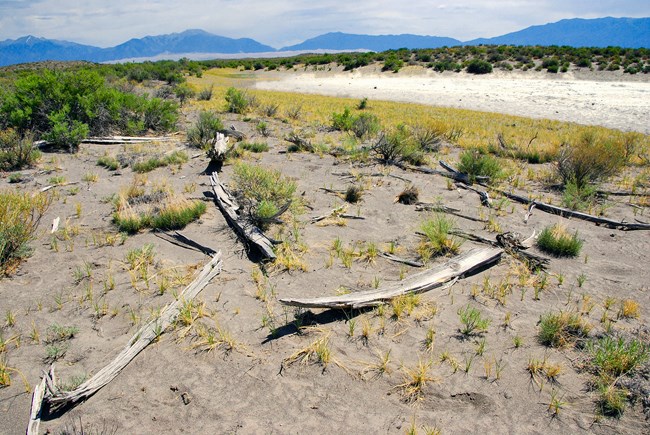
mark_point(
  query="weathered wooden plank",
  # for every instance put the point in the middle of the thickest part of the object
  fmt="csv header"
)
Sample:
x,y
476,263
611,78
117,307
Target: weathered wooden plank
x,y
422,282
252,235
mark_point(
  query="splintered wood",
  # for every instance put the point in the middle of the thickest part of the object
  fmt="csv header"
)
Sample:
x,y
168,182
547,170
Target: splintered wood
x,y
422,282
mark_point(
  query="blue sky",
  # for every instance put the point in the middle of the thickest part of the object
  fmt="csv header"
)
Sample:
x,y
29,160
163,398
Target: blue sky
x,y
284,22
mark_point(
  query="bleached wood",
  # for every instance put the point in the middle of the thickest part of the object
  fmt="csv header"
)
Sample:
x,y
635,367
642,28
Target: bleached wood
x,y
140,340
421,282
252,235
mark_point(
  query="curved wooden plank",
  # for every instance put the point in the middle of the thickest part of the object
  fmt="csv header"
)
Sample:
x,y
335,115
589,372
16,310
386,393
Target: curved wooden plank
x,y
421,282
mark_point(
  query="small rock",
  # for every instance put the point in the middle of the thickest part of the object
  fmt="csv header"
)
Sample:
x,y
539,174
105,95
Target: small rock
x,y
186,398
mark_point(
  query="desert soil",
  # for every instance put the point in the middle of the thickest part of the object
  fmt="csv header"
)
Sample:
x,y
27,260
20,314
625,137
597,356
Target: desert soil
x,y
174,387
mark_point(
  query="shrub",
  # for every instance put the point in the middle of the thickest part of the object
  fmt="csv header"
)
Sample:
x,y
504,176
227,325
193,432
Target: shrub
x,y
437,240
472,320
108,162
577,198
177,215
364,125
205,94
20,214
590,159
409,195
203,134
555,240
16,152
65,133
613,357
475,164
255,147
562,329
160,115
343,121
477,66
262,190
236,101
363,104
353,194
183,92
395,146
392,63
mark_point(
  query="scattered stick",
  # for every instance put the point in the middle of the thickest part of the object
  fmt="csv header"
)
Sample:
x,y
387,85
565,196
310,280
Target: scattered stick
x,y
566,213
529,213
51,186
58,399
250,234
116,140
421,282
55,225
485,198
440,208
179,239
233,132
397,259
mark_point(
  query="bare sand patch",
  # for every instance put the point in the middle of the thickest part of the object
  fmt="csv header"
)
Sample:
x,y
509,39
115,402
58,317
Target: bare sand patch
x,y
581,97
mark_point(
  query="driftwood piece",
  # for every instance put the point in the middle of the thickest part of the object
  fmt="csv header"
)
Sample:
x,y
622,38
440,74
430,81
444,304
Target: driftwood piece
x,y
460,176
421,282
252,236
301,144
338,212
440,208
179,239
566,213
57,399
397,259
116,140
234,133
485,198
512,245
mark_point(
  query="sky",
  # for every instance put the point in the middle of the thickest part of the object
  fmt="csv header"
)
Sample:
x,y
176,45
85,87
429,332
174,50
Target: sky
x,y
279,23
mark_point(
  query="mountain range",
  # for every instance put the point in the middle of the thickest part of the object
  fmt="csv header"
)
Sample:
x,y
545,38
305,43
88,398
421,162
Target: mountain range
x,y
598,32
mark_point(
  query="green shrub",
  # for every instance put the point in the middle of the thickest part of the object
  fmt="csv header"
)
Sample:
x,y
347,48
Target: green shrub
x,y
183,92
365,125
255,147
578,198
236,101
562,329
477,66
392,63
343,121
20,214
555,240
108,162
65,133
437,240
475,164
265,191
612,357
472,320
16,152
160,115
203,134
590,159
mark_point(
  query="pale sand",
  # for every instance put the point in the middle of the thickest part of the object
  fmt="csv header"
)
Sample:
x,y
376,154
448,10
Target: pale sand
x,y
581,97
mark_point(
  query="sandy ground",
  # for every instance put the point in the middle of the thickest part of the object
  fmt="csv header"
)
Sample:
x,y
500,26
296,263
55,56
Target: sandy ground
x,y
581,97
251,389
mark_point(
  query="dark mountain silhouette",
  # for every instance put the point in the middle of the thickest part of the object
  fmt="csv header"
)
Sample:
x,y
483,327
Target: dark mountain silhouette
x,y
577,32
598,32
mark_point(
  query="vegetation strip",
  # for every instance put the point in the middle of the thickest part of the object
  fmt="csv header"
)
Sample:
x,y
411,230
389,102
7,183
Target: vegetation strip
x,y
422,282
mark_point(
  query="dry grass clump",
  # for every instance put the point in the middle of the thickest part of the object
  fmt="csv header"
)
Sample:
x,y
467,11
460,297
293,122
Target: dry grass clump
x,y
415,380
20,214
409,195
135,213
562,329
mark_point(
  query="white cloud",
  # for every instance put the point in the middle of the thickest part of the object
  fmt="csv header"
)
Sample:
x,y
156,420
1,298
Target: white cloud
x,y
285,22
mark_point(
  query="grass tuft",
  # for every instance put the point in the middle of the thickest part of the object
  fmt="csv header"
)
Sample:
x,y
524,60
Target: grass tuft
x,y
557,241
